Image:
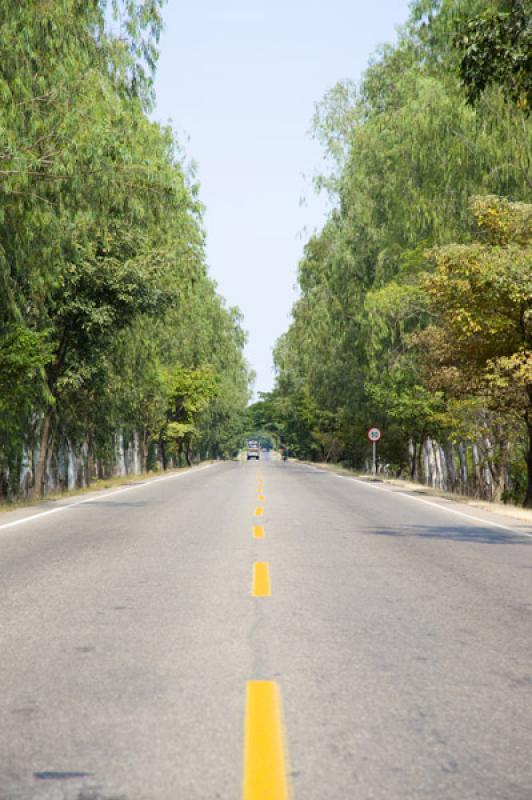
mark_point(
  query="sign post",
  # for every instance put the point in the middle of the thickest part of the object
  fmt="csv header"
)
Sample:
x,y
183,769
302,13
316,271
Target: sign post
x,y
374,435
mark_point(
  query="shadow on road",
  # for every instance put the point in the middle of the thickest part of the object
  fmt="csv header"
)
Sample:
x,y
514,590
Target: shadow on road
x,y
53,775
453,533
120,504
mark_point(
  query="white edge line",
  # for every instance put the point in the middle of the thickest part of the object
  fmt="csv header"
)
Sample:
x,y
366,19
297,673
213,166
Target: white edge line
x,y
429,503
98,496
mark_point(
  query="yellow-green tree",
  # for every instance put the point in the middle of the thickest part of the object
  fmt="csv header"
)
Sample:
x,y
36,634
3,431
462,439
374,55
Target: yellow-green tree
x,y
480,295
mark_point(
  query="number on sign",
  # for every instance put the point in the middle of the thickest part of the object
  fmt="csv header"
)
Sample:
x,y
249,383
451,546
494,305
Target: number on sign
x,y
374,434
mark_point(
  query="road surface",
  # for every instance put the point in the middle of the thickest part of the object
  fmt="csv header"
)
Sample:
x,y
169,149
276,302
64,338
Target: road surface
x,y
192,637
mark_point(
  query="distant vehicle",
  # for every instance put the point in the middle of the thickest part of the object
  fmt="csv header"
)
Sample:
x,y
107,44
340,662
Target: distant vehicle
x,y
253,450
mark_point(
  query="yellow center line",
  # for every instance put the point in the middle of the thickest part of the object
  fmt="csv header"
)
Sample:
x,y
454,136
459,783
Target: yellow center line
x,y
260,586
259,511
258,532
265,763
261,498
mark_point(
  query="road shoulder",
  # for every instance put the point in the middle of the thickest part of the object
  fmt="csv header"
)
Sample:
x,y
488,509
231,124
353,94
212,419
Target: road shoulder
x,y
25,512
496,514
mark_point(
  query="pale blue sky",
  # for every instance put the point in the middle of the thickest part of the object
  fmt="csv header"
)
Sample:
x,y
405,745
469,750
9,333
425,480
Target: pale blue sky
x,y
239,80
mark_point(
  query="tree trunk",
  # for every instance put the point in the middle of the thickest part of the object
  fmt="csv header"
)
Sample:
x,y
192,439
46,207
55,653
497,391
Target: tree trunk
x,y
479,483
497,463
430,463
528,497
420,461
451,468
464,477
43,453
441,477
164,458
412,454
528,419
121,464
143,451
91,470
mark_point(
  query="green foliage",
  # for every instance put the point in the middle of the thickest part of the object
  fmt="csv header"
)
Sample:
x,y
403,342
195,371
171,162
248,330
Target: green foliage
x,y
401,260
496,48
103,284
481,295
24,354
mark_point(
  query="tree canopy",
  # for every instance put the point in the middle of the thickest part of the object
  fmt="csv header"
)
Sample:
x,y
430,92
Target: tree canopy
x,y
415,296
105,298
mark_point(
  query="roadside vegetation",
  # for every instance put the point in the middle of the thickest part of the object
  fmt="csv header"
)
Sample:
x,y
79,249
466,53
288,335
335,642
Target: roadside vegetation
x,y
415,297
117,355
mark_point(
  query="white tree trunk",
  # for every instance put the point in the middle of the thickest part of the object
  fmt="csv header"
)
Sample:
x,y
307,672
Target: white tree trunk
x,y
26,473
464,477
136,454
120,455
84,465
432,470
72,468
451,470
441,469
477,470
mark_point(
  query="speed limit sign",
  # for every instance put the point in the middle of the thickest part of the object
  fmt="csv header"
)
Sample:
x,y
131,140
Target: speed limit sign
x,y
374,434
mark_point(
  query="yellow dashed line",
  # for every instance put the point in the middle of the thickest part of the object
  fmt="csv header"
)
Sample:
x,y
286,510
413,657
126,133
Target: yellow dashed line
x,y
259,511
260,586
258,532
265,764
260,497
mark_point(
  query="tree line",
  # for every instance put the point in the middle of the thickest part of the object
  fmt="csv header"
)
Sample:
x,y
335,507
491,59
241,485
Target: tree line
x,y
415,310
117,354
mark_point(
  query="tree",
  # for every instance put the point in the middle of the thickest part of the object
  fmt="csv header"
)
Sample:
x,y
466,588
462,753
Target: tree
x,y
189,393
408,153
496,49
101,243
481,296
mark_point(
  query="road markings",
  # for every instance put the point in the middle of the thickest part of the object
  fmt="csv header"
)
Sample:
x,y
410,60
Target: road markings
x,y
265,763
261,586
402,493
259,511
97,496
438,506
258,532
260,497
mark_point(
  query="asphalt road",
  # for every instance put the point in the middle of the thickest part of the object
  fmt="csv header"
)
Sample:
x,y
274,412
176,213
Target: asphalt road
x,y
396,633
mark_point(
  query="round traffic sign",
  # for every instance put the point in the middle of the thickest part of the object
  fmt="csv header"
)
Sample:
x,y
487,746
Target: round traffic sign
x,y
374,434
